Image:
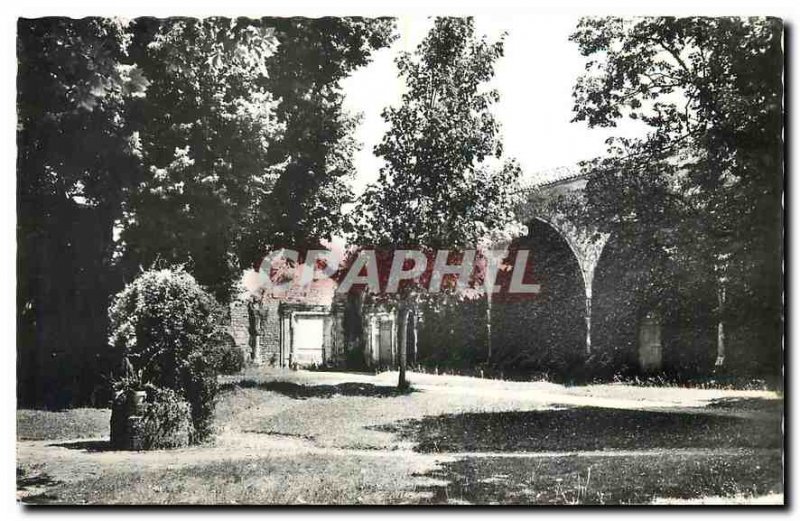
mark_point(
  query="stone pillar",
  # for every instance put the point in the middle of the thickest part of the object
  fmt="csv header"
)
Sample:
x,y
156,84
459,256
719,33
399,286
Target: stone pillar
x,y
650,343
285,341
588,313
414,333
587,260
402,345
254,328
127,421
135,431
587,246
488,326
721,270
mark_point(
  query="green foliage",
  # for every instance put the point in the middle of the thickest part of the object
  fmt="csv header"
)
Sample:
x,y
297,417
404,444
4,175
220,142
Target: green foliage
x,y
167,420
227,357
439,187
244,143
167,326
209,121
452,334
703,188
73,92
201,390
73,165
196,142
356,358
442,185
315,152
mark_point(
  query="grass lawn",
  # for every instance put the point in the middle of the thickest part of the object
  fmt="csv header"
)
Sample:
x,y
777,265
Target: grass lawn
x,y
58,425
311,437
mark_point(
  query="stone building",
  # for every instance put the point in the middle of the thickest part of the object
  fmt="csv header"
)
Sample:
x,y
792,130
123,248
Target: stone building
x,y
314,329
577,316
296,327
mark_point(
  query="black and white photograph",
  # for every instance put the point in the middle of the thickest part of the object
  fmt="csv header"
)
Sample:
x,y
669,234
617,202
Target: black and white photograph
x,y
439,259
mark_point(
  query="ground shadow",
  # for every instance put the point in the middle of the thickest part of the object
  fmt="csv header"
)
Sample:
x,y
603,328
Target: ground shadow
x,y
585,429
766,405
26,481
601,479
301,392
85,445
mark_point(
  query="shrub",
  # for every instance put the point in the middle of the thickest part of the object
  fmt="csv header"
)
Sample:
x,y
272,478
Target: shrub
x,y
168,327
167,420
227,357
201,392
164,422
355,358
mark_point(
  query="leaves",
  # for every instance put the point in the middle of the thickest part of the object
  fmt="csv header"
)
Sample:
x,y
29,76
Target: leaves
x,y
178,140
704,185
443,185
316,150
246,144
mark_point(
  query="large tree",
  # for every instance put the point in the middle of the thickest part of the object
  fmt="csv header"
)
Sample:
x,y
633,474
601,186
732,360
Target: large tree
x,y
74,163
197,142
316,149
443,185
244,141
704,184
205,127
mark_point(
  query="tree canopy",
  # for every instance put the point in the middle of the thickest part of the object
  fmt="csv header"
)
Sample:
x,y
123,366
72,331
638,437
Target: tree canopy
x,y
74,88
247,146
170,141
443,184
704,184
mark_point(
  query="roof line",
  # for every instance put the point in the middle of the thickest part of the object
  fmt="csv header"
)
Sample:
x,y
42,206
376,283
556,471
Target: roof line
x,y
574,173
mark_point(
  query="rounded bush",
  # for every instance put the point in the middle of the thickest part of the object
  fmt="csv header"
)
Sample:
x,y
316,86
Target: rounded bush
x,y
167,327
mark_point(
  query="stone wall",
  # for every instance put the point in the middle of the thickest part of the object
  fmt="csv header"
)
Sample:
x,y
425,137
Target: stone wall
x,y
239,327
255,328
338,345
269,333
541,334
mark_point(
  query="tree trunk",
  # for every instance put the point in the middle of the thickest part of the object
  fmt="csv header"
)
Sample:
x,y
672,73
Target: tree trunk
x,y
721,269
720,324
488,326
402,344
415,339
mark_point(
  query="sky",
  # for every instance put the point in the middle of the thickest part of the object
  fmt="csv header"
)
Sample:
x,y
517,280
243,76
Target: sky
x,y
535,79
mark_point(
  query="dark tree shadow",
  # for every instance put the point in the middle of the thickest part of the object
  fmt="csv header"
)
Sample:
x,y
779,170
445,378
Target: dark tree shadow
x,y
301,392
599,479
39,499
585,429
85,445
26,481
770,405
38,480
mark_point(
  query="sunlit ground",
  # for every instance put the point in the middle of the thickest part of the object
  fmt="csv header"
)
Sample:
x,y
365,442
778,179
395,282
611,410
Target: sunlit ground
x,y
324,437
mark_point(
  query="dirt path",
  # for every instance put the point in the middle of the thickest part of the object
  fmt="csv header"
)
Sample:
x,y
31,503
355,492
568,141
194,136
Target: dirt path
x,y
258,423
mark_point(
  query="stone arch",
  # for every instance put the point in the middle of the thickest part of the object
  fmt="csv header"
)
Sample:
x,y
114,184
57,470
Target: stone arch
x,y
587,246
627,297
545,331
